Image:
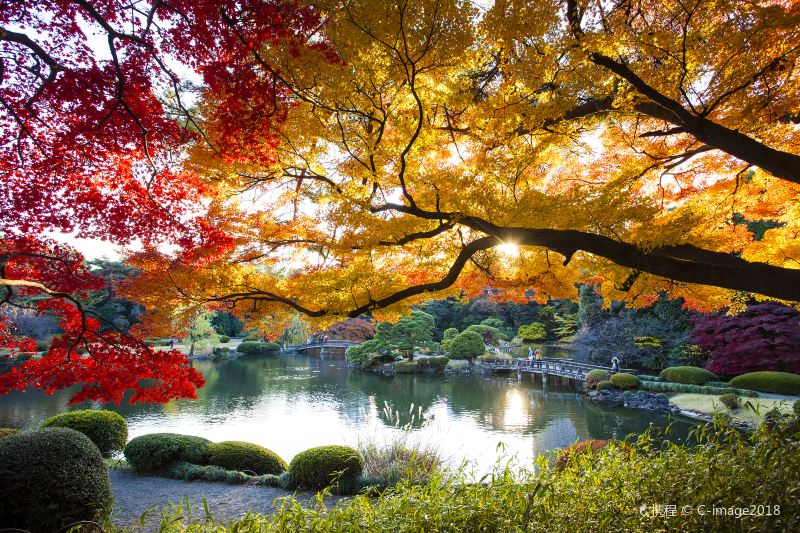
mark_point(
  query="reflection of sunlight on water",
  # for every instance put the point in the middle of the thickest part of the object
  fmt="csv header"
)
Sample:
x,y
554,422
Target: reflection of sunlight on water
x,y
516,409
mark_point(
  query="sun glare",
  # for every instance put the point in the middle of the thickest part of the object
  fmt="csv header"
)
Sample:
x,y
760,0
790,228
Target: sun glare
x,y
509,249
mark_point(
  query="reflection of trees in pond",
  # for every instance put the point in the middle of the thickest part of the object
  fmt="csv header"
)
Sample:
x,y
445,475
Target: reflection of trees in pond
x,y
398,393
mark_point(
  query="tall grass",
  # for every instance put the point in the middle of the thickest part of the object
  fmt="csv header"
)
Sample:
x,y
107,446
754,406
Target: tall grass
x,y
400,454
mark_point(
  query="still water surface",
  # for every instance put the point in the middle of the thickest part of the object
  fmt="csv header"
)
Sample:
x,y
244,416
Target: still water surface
x,y
291,403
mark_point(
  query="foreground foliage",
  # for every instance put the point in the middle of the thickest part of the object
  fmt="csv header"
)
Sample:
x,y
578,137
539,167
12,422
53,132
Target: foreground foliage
x,y
615,488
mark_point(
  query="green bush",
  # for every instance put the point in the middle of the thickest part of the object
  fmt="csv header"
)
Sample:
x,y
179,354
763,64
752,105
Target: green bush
x,y
624,381
224,339
605,385
379,359
796,408
7,432
436,363
406,367
150,453
51,478
467,345
731,401
318,467
593,377
214,474
107,429
688,375
243,456
648,377
258,348
775,382
253,338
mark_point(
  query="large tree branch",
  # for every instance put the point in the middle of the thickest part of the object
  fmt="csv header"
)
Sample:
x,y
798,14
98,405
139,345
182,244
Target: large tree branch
x,y
780,164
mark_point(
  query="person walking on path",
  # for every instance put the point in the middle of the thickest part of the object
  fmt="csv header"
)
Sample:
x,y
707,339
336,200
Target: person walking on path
x,y
538,354
614,364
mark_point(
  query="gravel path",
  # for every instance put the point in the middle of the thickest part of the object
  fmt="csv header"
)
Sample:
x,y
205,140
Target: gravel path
x,y
133,495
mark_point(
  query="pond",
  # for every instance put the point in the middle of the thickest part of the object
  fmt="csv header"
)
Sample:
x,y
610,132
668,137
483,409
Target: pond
x,y
290,403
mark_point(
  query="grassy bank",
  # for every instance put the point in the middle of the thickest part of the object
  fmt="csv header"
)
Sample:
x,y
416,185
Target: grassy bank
x,y
751,412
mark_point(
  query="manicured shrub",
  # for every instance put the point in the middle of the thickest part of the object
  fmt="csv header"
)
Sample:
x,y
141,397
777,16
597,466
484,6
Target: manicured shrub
x,y
731,401
406,367
107,429
624,381
688,375
767,381
605,385
593,377
253,338
258,348
7,432
50,478
318,467
224,339
150,453
242,456
796,408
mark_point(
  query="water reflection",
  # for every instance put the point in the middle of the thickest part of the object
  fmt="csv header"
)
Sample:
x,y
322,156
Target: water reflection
x,y
291,403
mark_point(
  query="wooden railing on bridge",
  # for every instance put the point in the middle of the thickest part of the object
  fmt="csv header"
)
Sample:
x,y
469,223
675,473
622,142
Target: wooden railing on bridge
x,y
554,367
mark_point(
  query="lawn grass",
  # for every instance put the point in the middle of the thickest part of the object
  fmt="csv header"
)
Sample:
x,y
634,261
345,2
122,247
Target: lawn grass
x,y
709,404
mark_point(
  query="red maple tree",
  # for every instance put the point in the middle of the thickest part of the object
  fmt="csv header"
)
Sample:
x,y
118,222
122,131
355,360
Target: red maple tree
x,y
95,109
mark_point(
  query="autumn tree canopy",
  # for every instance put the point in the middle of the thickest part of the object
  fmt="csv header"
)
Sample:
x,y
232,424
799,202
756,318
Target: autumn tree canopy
x,y
621,143
340,158
96,110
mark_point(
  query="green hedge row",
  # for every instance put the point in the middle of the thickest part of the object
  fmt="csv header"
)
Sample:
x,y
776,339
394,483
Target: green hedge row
x,y
665,386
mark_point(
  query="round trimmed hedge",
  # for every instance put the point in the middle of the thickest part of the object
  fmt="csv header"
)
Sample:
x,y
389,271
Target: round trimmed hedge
x,y
624,380
595,376
688,375
768,381
107,429
237,455
605,385
7,432
317,468
149,453
51,478
258,348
